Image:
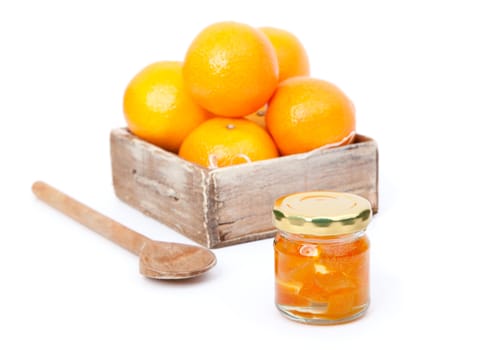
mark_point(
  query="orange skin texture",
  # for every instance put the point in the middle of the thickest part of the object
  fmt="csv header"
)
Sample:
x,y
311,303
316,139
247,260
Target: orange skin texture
x,y
231,69
221,141
157,107
291,54
336,275
307,113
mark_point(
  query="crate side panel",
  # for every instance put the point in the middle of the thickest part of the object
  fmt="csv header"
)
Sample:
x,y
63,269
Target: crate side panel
x,y
160,184
246,193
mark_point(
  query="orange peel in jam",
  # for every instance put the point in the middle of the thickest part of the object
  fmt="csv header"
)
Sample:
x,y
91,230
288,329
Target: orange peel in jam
x,y
322,261
334,284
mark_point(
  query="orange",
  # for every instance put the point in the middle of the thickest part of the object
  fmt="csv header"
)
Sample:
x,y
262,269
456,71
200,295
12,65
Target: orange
x,y
306,113
291,54
157,107
231,69
220,142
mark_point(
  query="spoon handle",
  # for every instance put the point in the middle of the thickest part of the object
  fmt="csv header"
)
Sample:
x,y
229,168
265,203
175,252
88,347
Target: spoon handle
x,y
106,227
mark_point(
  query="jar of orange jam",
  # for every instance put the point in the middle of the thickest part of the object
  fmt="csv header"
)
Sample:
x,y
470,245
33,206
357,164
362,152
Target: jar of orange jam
x,y
322,256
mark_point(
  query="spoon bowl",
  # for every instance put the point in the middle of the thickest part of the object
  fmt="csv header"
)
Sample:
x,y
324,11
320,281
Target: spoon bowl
x,y
159,260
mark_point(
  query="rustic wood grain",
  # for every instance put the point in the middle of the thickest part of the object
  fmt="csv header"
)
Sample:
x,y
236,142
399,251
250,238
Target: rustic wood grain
x,y
231,205
161,185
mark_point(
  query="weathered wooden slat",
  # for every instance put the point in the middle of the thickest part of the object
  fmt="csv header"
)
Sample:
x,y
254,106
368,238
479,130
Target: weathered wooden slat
x,y
230,205
159,184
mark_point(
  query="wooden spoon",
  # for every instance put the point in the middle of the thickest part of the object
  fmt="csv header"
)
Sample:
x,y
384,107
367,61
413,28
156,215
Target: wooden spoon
x,y
160,260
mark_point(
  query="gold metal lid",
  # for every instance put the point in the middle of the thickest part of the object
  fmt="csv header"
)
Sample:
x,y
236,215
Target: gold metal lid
x,y
321,213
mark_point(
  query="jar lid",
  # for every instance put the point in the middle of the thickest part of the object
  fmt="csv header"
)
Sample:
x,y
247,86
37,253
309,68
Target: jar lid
x,y
321,213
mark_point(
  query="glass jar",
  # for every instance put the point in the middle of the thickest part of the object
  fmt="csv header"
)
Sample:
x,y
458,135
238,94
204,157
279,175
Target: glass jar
x,y
322,256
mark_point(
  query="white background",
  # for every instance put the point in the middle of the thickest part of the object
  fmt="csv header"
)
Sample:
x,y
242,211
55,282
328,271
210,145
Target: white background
x,y
420,75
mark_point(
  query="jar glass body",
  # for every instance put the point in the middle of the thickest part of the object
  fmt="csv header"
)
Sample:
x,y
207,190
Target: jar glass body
x,y
322,279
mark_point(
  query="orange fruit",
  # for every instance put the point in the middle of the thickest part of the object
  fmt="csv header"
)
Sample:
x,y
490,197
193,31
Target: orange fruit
x,y
220,142
231,69
157,107
306,113
291,54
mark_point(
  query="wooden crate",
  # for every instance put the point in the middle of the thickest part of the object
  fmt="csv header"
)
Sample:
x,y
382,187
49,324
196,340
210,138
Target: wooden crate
x,y
224,206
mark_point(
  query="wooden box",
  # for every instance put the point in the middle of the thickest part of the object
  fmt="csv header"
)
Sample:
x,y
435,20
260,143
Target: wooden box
x,y
224,206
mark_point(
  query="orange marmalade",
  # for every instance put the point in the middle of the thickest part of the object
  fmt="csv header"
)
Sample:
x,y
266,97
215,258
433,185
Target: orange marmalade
x,y
322,256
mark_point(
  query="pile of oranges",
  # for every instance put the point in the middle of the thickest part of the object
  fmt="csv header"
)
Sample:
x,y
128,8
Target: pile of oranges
x,y
240,94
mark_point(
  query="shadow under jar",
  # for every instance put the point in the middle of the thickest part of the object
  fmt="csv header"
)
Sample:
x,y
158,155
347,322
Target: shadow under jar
x,y
322,256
